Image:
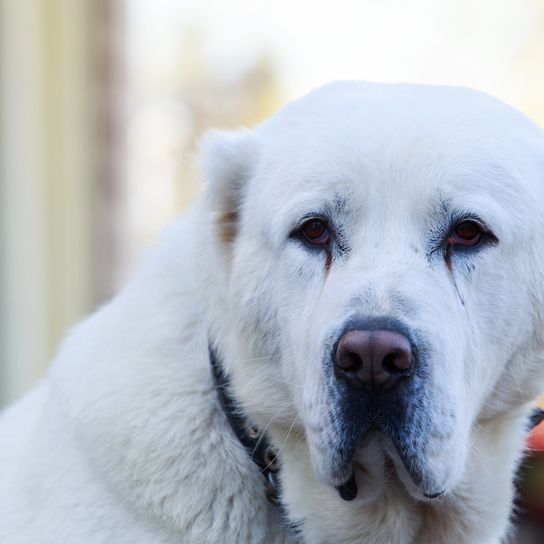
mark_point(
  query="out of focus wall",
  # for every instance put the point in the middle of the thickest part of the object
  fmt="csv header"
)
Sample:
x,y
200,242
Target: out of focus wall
x,y
46,175
102,104
98,137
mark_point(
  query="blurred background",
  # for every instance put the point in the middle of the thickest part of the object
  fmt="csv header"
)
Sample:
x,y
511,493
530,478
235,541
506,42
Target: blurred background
x,y
102,103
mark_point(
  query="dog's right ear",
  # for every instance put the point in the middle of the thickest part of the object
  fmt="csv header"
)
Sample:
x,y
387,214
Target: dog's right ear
x,y
228,160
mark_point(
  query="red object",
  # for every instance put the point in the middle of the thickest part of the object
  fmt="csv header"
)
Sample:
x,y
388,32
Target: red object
x,y
535,440
532,479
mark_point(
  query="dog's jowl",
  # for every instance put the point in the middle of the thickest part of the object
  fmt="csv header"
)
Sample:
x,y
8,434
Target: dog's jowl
x,y
340,343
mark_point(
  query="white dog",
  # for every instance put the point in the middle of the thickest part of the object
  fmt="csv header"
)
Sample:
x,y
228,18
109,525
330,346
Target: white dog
x,y
360,292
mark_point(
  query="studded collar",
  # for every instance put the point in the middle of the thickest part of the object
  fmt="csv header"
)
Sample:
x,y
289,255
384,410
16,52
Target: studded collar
x,y
252,439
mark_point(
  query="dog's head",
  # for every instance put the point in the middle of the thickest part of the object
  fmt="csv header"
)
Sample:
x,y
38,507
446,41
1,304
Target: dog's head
x,y
378,279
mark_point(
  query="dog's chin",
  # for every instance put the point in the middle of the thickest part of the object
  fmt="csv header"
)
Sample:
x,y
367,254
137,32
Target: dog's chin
x,y
418,478
377,463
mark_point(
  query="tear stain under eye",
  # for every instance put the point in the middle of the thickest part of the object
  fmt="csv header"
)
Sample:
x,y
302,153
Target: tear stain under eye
x,y
447,259
328,262
328,265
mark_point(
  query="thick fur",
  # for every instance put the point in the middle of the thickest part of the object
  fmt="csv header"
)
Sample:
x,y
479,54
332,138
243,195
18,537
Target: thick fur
x,y
124,440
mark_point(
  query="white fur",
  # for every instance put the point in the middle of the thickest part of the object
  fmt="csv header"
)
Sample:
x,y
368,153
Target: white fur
x,y
125,441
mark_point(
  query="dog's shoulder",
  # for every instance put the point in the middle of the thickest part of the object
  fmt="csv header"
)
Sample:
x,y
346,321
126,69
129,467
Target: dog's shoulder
x,y
126,431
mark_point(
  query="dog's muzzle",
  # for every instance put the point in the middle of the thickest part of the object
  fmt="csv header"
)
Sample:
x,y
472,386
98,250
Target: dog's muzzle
x,y
374,363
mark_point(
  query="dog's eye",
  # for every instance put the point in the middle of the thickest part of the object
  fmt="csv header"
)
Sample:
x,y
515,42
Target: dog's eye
x,y
466,233
316,232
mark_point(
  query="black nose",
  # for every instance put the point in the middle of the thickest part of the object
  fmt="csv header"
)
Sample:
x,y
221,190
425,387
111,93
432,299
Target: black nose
x,y
373,359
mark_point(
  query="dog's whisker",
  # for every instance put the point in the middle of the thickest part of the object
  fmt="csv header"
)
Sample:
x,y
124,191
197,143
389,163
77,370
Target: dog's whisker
x,y
287,436
263,433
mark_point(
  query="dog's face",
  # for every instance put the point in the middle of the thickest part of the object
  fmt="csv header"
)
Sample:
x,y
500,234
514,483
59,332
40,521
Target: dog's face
x,y
379,274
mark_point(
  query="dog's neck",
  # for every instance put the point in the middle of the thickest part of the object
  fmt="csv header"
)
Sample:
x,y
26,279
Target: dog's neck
x,y
477,510
481,502
166,448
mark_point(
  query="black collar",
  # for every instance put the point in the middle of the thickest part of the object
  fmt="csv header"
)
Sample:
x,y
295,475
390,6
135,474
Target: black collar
x,y
254,441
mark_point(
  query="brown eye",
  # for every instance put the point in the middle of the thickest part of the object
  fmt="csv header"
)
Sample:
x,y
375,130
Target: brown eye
x,y
466,233
316,232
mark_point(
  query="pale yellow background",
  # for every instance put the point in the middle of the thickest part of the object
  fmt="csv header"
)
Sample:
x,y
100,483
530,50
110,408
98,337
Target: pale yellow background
x,y
102,103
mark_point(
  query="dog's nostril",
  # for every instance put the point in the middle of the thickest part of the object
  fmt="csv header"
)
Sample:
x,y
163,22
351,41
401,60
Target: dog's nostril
x,y
376,359
397,362
349,361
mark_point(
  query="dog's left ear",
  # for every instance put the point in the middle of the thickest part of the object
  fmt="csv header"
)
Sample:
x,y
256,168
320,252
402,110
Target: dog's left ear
x,y
228,160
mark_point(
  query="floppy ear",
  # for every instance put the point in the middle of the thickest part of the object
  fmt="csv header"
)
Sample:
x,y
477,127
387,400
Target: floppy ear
x,y
228,160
